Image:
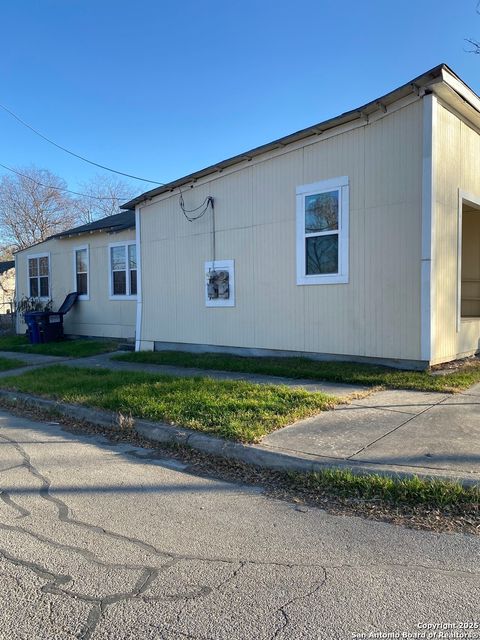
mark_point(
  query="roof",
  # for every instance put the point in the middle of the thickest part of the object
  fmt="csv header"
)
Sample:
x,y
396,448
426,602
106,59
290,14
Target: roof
x,y
110,224
6,265
423,83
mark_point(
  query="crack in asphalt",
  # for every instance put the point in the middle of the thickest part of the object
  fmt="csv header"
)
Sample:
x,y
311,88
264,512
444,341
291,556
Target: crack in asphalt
x,y
282,610
56,583
231,578
14,466
6,498
64,511
62,584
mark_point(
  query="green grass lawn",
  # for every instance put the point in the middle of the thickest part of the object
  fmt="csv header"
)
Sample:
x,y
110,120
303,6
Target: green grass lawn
x,y
67,348
345,372
233,409
399,491
10,363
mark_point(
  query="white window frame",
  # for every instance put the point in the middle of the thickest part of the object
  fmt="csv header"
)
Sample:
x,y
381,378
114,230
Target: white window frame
x,y
464,197
334,184
75,249
221,265
128,295
40,255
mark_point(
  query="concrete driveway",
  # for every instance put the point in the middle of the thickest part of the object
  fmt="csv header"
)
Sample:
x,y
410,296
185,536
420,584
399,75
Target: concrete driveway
x,y
100,541
408,429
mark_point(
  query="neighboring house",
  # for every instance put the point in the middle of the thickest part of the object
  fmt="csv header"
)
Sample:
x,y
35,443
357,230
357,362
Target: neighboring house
x,y
99,261
357,238
7,288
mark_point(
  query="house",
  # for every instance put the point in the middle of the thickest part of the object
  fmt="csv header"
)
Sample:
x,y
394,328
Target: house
x,y
7,286
98,260
357,238
7,294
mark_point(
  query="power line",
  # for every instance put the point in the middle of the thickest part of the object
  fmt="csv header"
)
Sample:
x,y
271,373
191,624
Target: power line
x,y
72,153
48,186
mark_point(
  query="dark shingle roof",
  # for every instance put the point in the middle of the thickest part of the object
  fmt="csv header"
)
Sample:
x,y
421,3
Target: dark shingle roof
x,y
110,224
6,265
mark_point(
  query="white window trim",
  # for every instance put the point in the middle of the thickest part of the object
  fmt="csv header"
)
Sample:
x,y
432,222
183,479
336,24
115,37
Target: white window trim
x,y
40,255
127,296
75,249
226,265
340,184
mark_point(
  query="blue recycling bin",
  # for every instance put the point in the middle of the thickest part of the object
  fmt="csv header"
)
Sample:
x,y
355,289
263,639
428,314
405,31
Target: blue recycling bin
x,y
33,327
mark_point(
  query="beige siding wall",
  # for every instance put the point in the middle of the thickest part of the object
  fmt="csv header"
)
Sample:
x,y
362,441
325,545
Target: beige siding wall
x,y
98,316
456,167
377,314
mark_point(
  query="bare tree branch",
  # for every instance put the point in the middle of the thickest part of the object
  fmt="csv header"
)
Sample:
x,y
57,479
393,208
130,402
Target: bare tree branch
x,y
30,212
115,191
474,44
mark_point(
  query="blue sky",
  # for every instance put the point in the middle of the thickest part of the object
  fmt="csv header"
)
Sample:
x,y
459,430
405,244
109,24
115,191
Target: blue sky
x,y
161,89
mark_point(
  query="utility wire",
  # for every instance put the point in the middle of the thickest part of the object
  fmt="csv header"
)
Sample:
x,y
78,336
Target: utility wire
x,y
76,155
48,186
203,207
185,210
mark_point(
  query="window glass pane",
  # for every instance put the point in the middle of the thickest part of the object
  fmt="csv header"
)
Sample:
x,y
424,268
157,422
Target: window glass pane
x,y
82,284
81,259
321,253
34,287
118,258
43,287
119,283
132,256
133,282
321,212
43,266
33,267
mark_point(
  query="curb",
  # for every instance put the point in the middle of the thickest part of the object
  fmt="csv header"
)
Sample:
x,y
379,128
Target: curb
x,y
254,454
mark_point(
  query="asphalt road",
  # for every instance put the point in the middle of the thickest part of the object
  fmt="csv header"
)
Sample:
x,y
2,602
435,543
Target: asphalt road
x,y
99,541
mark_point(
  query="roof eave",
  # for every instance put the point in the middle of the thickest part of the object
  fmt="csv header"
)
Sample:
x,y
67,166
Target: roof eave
x,y
59,236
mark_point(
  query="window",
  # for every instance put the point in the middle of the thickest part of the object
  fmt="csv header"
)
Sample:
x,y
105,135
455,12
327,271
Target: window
x,y
81,261
322,232
132,268
123,270
39,276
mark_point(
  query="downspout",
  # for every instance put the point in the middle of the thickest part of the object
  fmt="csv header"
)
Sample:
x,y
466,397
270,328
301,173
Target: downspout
x,y
138,241
428,228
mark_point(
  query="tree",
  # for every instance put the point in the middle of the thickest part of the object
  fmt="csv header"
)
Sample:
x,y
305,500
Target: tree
x,y
33,207
474,44
103,196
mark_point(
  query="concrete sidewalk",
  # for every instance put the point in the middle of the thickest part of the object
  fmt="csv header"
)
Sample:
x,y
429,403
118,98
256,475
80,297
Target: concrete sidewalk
x,y
30,361
333,388
408,429
393,432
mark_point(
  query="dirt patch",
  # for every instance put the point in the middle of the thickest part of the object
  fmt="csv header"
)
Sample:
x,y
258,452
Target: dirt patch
x,y
456,365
